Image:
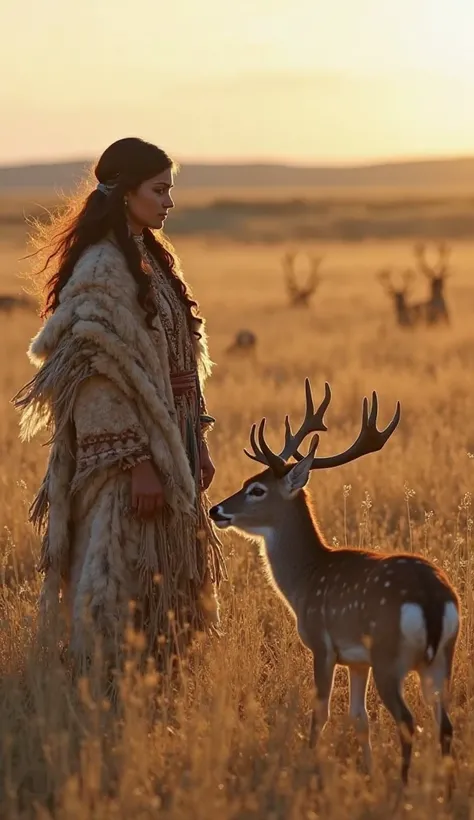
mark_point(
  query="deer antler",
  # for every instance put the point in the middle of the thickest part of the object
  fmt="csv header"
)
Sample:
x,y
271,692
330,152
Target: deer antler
x,y
315,262
315,277
300,294
420,254
313,421
288,263
441,270
369,440
408,276
385,278
444,252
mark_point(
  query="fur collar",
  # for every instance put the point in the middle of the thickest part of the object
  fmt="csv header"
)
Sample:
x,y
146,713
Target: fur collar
x,y
103,269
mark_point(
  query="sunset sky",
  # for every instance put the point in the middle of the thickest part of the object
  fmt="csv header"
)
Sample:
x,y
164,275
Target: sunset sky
x,y
304,81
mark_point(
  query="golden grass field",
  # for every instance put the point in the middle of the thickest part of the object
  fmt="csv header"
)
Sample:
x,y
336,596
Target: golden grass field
x,y
235,745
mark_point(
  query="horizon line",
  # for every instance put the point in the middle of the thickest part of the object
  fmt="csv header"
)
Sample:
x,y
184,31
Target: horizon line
x,y
263,161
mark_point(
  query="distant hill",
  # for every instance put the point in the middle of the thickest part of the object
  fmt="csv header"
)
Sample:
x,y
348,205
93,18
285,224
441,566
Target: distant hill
x,y
447,173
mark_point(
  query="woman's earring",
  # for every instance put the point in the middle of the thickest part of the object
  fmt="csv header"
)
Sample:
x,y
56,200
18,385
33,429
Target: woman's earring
x,y
125,202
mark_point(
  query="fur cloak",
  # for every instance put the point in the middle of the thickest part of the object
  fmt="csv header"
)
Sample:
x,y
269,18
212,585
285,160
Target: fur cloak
x,y
103,389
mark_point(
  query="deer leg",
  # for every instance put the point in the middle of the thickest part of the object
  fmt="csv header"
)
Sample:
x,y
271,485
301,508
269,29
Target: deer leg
x,y
435,682
324,664
389,685
358,683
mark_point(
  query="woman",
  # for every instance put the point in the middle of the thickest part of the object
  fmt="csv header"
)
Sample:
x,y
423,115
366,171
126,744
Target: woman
x,y
122,360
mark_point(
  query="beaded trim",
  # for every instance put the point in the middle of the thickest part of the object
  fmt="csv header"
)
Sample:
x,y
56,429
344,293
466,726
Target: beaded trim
x,y
128,462
129,435
96,449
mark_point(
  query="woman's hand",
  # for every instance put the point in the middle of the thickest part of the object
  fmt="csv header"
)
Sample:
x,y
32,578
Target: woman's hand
x,y
208,469
147,490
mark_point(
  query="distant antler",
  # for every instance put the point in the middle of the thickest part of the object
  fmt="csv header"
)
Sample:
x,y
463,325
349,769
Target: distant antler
x,y
444,252
438,271
313,421
385,278
300,294
288,263
419,250
315,262
408,277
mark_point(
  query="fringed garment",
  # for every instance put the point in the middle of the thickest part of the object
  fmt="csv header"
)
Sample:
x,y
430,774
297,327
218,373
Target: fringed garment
x,y
114,392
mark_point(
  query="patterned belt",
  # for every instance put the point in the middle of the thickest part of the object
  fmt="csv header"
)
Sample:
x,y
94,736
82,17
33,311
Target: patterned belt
x,y
183,382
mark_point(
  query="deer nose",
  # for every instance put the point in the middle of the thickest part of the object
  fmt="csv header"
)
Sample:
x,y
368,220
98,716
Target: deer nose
x,y
218,515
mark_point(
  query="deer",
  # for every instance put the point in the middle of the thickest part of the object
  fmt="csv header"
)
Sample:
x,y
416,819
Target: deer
x,y
391,613
245,342
436,274
406,314
300,295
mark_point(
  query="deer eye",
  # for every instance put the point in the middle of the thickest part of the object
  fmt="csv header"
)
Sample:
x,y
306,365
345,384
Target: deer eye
x,y
256,491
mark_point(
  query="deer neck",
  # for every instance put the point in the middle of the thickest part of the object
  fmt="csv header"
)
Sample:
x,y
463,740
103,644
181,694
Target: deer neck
x,y
294,549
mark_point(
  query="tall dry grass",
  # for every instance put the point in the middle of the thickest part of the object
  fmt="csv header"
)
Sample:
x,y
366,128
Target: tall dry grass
x,y
233,744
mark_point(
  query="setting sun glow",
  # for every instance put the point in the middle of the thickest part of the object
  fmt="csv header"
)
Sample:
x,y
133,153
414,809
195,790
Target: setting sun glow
x,y
261,79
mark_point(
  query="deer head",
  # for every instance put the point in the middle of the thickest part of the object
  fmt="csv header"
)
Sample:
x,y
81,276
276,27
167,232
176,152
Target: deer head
x,y
261,501
245,341
399,294
385,277
438,272
300,295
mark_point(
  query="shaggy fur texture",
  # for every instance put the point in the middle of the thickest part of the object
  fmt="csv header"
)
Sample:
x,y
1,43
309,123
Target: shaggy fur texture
x,y
104,377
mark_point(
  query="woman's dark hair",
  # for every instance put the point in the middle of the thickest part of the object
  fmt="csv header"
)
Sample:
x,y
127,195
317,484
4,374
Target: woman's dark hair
x,y
124,166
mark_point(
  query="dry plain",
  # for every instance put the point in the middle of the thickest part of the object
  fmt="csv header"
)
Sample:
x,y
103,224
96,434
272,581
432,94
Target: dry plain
x,y
235,746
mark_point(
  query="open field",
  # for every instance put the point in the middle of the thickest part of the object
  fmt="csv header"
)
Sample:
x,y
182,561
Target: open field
x,y
235,746
289,214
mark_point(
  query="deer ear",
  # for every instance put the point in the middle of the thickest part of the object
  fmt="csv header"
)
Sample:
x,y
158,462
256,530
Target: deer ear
x,y
298,476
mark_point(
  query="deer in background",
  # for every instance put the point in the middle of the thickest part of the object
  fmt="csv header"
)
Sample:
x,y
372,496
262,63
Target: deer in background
x,y
245,342
436,274
392,613
406,314
300,295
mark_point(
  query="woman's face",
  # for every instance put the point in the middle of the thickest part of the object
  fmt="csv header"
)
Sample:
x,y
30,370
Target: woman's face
x,y
148,205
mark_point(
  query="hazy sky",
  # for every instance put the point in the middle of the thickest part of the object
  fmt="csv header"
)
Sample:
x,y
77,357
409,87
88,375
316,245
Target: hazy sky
x,y
302,80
